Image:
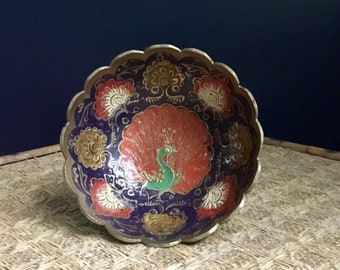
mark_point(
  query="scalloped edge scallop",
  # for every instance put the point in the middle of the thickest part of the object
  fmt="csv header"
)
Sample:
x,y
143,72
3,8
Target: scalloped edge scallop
x,y
85,93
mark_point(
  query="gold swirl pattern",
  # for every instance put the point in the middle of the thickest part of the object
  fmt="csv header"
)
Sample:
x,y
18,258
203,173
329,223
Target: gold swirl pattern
x,y
163,224
240,145
161,76
90,148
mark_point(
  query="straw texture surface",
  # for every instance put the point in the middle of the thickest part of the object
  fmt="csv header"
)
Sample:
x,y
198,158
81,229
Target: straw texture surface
x,y
290,220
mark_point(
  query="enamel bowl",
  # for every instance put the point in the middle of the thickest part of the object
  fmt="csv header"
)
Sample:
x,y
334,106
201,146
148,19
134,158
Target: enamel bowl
x,y
161,145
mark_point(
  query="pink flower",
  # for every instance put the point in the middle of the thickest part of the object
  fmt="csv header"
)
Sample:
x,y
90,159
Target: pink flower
x,y
219,199
105,202
214,92
110,95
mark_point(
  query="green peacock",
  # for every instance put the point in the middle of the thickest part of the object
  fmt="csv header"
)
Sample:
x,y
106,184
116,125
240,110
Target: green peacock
x,y
164,179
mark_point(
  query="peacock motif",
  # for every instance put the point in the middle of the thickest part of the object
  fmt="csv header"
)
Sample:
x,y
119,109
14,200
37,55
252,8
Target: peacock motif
x,y
167,148
164,179
163,224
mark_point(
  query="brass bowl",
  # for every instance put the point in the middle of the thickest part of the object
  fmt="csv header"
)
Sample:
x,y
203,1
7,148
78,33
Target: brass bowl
x,y
161,145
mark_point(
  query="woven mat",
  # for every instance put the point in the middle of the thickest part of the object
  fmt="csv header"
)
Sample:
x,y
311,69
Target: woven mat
x,y
291,220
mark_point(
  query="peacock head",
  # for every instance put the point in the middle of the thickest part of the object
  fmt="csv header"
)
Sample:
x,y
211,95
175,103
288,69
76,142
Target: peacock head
x,y
168,150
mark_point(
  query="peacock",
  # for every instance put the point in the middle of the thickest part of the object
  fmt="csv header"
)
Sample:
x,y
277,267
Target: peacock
x,y
165,178
166,148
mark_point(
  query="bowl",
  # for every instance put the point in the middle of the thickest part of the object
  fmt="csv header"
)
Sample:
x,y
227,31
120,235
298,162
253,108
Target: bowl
x,y
161,145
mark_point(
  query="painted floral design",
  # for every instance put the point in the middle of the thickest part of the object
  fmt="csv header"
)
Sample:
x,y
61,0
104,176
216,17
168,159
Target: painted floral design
x,y
105,202
214,92
240,143
161,75
163,224
167,148
90,148
110,95
219,198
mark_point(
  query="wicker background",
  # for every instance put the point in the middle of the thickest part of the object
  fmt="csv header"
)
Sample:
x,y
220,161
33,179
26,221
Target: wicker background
x,y
291,220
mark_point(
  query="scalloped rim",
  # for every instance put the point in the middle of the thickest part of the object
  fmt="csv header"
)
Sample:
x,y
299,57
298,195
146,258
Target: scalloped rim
x,y
86,93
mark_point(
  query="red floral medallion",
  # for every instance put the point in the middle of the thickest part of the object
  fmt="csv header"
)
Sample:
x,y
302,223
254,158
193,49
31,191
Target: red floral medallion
x,y
105,202
166,147
219,199
214,92
110,95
